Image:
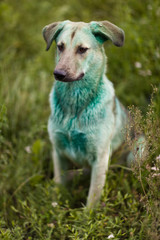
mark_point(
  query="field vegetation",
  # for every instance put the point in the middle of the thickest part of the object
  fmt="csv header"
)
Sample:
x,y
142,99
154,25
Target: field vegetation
x,y
32,206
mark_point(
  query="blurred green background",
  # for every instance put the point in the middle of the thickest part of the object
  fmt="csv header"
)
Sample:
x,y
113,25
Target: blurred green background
x,y
26,78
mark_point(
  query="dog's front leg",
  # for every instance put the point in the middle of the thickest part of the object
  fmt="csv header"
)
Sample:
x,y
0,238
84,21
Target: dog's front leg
x,y
60,168
98,177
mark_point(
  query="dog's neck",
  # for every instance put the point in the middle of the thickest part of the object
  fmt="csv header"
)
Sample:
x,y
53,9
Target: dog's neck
x,y
70,100
73,97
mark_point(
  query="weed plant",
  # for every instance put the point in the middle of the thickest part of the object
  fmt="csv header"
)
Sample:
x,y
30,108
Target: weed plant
x,y
146,166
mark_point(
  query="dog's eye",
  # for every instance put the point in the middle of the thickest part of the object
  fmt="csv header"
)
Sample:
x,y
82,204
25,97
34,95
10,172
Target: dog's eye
x,y
61,47
81,50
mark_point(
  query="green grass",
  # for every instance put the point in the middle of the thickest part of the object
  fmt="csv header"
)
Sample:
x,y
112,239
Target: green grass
x,y
31,205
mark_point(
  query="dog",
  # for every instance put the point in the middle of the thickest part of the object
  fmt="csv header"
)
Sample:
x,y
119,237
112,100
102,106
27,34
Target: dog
x,y
87,120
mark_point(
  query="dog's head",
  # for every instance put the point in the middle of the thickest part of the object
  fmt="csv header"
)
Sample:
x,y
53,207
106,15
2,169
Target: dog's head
x,y
79,47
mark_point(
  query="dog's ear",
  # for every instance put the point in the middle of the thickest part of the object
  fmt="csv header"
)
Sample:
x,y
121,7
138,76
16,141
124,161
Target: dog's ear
x,y
105,30
51,31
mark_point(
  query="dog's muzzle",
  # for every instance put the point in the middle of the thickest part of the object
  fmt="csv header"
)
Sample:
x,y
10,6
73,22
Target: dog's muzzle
x,y
62,76
59,75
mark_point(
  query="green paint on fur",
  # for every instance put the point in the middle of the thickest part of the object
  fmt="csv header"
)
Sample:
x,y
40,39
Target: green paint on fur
x,y
82,115
86,121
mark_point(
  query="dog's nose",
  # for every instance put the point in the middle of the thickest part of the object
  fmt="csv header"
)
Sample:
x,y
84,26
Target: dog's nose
x,y
59,74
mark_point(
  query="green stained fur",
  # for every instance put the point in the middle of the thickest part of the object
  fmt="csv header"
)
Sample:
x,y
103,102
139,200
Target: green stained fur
x,y
82,107
83,111
86,119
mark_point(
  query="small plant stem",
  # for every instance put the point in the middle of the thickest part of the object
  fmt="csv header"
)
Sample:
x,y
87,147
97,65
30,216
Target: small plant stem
x,y
23,183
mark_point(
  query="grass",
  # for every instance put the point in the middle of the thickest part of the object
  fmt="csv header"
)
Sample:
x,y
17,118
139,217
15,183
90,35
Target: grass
x,y
32,206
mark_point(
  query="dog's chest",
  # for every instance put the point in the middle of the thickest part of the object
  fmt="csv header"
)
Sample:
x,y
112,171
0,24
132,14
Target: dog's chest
x,y
78,122
75,145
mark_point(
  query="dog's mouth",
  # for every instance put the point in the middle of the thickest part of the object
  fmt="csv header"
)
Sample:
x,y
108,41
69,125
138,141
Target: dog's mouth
x,y
63,77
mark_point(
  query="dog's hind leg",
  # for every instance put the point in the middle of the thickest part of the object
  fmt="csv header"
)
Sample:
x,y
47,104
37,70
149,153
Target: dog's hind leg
x,y
98,177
